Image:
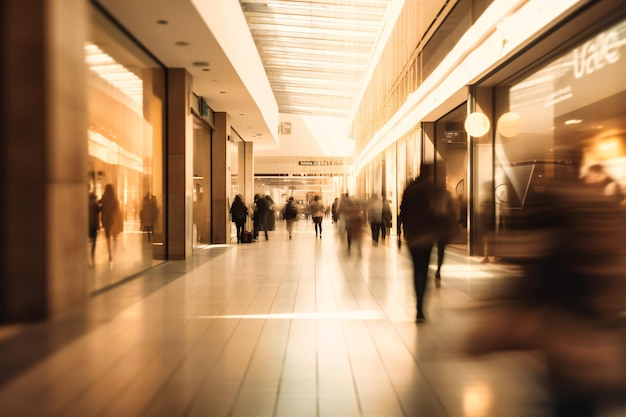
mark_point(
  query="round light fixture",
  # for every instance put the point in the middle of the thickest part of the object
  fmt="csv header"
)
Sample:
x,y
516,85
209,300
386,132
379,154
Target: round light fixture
x,y
477,124
509,124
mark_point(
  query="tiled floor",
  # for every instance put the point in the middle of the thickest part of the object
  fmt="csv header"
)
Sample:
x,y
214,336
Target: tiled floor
x,y
273,328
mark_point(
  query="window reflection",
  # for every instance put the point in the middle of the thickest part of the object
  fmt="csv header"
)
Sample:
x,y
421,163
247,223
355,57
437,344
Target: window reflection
x,y
125,137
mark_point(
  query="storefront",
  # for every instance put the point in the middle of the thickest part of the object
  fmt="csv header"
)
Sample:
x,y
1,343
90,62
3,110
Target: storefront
x,y
126,106
558,118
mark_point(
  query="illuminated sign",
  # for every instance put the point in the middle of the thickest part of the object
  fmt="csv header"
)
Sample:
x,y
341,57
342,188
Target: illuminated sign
x,y
319,163
597,53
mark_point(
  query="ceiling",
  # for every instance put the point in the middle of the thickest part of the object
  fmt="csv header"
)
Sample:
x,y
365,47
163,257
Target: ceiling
x,y
315,53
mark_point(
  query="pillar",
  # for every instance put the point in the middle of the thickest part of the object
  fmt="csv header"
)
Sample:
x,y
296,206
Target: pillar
x,y
481,156
43,159
220,180
179,165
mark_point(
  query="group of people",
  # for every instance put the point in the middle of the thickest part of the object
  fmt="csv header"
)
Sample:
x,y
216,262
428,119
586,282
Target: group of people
x,y
106,213
379,217
261,209
352,213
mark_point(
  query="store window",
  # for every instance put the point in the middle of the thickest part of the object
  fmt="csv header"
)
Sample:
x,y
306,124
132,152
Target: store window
x,y
126,99
573,105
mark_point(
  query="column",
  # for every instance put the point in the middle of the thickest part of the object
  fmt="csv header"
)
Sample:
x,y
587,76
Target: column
x,y
43,159
179,165
220,180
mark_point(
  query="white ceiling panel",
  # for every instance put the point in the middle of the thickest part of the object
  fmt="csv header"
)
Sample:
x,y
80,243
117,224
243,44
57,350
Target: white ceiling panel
x,y
316,52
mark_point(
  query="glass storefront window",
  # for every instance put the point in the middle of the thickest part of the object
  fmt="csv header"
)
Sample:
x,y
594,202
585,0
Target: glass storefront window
x,y
126,99
574,105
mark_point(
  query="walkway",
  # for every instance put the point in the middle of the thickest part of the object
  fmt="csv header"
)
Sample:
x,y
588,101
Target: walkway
x,y
274,328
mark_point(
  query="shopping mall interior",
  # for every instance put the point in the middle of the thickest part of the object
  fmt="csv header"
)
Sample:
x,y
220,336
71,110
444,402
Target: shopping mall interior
x,y
129,129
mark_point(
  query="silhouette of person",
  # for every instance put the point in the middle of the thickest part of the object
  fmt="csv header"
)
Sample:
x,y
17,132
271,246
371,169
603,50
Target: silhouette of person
x,y
94,225
386,219
419,219
239,215
448,228
110,215
317,214
375,216
351,214
149,214
569,301
261,209
290,214
333,209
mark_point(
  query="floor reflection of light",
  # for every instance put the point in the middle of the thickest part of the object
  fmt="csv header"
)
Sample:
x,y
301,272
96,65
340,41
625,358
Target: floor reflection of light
x,y
463,271
333,315
477,401
207,246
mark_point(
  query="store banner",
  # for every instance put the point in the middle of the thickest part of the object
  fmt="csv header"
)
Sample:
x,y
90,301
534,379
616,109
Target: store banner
x,y
590,73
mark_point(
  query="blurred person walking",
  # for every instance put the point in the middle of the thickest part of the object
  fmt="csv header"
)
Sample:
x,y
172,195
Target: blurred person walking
x,y
568,303
342,205
352,215
94,225
317,214
386,219
111,216
270,218
261,208
290,214
420,218
333,209
448,228
239,215
149,214
375,216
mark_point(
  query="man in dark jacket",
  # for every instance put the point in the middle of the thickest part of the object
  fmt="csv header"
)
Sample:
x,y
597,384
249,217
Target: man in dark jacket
x,y
419,218
262,207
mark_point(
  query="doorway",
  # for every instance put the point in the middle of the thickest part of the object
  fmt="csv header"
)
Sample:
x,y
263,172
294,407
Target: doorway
x,y
201,193
452,163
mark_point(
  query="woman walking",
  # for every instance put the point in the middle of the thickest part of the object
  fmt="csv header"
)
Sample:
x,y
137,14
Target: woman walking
x,y
317,213
110,216
238,215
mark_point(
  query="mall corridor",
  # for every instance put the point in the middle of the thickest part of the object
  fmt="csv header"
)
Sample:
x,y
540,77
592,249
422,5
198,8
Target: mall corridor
x,y
273,328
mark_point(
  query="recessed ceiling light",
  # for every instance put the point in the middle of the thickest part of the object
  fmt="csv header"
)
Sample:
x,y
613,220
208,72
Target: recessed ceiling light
x,y
222,92
162,22
201,64
206,69
573,122
182,43
241,114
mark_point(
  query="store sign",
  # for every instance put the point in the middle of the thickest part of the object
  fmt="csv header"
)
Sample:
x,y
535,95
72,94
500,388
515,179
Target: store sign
x,y
599,52
319,163
590,73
